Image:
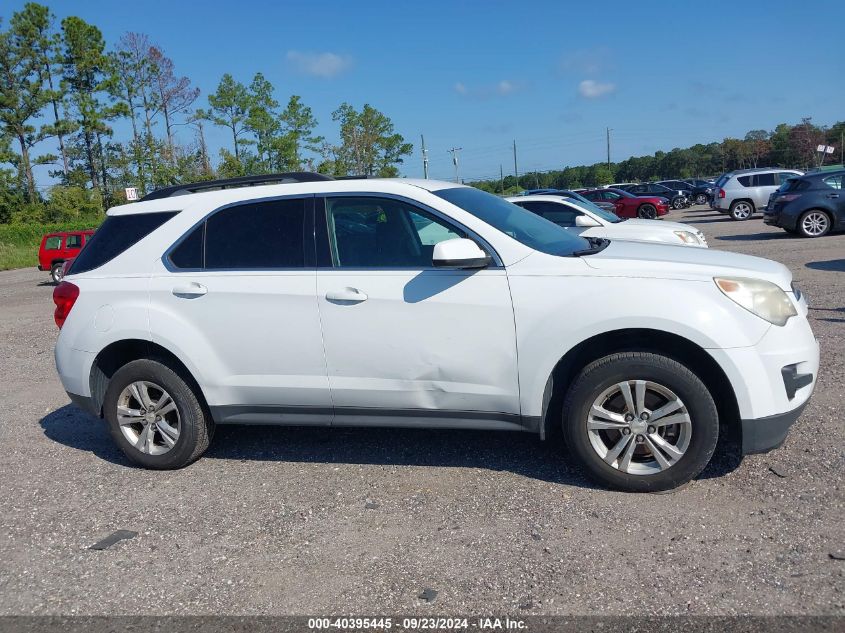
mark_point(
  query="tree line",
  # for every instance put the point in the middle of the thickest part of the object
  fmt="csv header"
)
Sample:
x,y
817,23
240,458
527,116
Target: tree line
x,y
62,88
785,146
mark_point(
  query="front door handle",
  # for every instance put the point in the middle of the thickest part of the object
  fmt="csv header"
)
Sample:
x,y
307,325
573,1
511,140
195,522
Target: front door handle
x,y
833,195
346,295
192,289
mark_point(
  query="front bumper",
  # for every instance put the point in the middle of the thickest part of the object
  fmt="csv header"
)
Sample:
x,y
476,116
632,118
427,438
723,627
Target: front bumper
x,y
765,434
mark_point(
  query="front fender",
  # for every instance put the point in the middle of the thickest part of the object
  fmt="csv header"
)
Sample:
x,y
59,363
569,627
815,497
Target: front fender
x,y
554,314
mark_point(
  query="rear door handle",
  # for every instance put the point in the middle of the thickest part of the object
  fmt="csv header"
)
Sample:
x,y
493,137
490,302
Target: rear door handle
x,y
833,195
346,295
192,289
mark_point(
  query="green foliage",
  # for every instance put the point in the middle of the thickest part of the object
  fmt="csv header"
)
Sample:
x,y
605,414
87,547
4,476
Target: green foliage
x,y
369,144
786,146
230,106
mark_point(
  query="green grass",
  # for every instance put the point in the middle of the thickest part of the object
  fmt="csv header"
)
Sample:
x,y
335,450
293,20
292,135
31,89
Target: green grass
x,y
19,242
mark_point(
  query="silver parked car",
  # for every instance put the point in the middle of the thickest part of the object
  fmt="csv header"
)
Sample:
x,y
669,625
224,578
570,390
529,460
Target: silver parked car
x,y
743,192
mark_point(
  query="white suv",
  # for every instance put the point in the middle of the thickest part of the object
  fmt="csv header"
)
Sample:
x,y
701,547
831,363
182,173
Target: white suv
x,y
425,304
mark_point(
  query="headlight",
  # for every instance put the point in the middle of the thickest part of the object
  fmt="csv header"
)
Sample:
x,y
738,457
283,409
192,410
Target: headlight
x,y
763,298
688,238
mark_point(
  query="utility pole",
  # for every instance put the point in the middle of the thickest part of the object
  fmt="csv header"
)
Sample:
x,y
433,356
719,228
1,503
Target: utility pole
x,y
608,147
515,170
425,157
454,152
502,178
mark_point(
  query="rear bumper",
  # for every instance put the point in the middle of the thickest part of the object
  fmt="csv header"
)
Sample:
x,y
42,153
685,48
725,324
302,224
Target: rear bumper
x,y
765,434
86,403
41,268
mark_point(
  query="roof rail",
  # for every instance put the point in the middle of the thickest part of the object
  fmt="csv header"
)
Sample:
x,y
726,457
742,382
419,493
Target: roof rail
x,y
242,181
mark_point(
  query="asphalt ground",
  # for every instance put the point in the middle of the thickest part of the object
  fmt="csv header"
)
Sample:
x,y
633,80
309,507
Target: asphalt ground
x,y
357,521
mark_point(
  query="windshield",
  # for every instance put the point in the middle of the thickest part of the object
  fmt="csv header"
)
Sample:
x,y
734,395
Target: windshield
x,y
607,216
520,224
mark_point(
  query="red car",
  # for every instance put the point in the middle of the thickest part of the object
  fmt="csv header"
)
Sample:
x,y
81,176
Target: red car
x,y
627,204
57,248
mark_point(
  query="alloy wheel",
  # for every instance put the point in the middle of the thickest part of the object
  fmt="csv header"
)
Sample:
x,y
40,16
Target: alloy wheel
x,y
742,210
648,212
639,427
148,417
701,199
815,224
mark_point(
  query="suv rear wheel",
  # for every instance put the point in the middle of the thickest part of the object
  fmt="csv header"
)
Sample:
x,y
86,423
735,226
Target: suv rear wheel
x,y
742,209
640,422
56,271
814,223
155,417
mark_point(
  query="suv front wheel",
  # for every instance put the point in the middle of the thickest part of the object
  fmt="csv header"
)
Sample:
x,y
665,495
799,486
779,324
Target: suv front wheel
x,y
742,210
155,417
640,422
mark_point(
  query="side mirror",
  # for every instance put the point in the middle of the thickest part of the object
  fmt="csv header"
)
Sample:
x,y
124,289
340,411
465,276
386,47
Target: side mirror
x,y
585,221
459,253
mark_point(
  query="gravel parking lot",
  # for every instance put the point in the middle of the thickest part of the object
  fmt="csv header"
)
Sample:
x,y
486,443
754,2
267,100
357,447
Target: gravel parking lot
x,y
318,521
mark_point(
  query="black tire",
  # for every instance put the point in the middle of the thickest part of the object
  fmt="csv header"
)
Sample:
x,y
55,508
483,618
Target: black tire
x,y
196,427
620,367
820,228
701,199
647,211
56,272
741,210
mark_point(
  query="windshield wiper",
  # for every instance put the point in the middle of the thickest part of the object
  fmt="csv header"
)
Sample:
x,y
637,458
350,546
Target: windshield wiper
x,y
597,244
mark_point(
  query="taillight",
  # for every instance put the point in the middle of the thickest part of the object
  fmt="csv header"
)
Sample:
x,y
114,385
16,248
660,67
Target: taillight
x,y
721,193
64,296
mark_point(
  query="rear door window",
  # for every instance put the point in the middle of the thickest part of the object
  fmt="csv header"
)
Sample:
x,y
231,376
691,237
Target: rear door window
x,y
763,180
73,241
117,234
257,235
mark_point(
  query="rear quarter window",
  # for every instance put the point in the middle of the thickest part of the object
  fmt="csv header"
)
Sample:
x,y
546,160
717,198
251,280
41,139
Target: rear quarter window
x,y
116,235
834,182
53,243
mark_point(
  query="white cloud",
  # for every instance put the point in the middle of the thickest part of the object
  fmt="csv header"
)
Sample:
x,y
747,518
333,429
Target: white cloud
x,y
501,88
325,65
592,89
505,87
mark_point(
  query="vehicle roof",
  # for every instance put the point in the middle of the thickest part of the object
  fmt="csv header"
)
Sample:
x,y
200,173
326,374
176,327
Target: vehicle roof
x,y
219,197
818,173
68,232
753,170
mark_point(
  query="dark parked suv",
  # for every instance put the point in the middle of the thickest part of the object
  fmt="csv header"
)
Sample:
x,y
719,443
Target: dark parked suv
x,y
811,205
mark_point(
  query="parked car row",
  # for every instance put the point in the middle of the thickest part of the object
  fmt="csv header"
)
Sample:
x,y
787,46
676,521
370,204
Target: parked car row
x,y
400,302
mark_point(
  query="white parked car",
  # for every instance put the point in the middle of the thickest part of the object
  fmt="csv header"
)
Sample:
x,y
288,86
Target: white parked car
x,y
588,220
425,304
